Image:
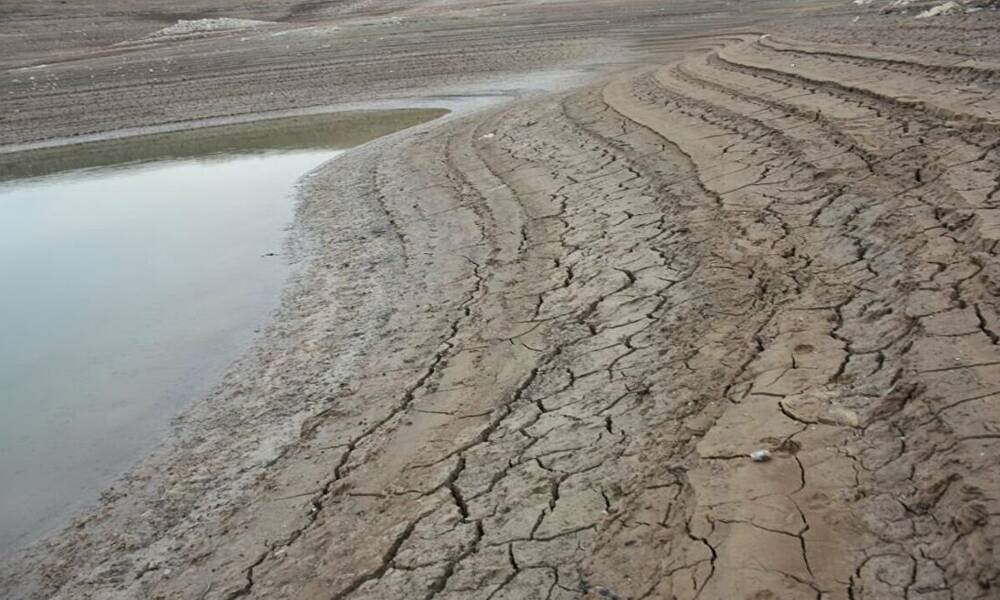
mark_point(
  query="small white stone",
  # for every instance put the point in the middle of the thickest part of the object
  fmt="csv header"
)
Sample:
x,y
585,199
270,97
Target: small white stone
x,y
760,455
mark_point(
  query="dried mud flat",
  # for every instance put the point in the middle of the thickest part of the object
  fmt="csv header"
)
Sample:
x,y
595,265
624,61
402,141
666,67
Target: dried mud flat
x,y
532,347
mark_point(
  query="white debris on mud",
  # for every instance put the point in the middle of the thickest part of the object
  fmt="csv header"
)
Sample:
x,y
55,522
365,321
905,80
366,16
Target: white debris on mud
x,y
940,9
924,9
197,26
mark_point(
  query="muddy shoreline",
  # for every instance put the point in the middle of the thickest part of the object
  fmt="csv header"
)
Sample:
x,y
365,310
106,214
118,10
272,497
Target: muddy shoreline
x,y
55,438
529,348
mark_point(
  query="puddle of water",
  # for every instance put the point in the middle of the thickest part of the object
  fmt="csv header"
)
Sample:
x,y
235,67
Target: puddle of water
x,y
128,288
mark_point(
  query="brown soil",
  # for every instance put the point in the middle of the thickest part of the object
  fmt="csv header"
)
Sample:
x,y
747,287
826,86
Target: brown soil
x,y
531,346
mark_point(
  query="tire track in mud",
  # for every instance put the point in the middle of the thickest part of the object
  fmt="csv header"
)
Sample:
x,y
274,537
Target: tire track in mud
x,y
612,296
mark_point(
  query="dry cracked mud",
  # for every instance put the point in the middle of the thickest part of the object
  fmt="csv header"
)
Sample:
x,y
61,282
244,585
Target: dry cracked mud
x,y
537,342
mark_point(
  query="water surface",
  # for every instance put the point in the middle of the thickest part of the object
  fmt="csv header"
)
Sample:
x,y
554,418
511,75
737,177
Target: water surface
x,y
133,273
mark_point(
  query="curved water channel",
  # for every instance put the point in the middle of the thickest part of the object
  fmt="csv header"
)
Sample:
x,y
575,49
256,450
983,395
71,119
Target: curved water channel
x,y
133,272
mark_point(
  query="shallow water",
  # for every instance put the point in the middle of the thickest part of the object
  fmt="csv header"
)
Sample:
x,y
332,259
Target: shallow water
x,y
128,289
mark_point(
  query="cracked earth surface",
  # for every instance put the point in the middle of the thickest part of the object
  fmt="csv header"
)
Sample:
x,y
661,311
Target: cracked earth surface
x,y
595,304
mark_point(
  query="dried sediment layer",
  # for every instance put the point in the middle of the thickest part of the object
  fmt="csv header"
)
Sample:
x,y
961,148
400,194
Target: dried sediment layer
x,y
603,301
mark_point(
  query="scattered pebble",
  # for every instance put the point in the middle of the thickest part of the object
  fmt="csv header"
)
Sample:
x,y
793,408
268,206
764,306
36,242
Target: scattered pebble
x,y
760,455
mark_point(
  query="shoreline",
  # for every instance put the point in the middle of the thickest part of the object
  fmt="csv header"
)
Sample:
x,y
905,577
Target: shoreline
x,y
306,234
344,129
208,123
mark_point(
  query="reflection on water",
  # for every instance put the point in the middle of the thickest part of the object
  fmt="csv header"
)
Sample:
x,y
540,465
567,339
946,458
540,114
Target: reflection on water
x,y
345,130
128,290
